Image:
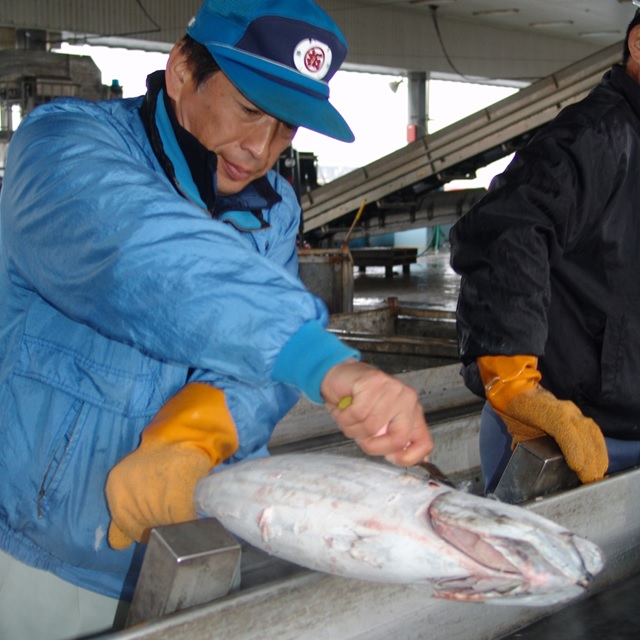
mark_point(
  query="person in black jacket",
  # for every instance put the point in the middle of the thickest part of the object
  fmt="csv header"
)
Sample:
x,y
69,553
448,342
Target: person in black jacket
x,y
549,307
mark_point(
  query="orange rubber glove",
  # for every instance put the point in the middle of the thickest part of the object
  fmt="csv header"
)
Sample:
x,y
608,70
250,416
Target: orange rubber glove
x,y
154,485
529,411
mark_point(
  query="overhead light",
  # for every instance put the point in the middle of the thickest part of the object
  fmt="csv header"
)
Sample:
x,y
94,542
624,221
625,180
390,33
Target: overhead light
x,y
395,84
430,2
552,24
595,34
495,12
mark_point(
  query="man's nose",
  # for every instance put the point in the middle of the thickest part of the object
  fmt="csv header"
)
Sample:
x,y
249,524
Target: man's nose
x,y
259,138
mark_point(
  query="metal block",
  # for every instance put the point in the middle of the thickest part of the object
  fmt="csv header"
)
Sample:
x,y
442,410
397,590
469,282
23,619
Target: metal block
x,y
185,565
536,468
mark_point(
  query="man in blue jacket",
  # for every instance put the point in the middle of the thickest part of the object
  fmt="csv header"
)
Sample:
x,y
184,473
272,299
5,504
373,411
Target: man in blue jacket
x,y
153,325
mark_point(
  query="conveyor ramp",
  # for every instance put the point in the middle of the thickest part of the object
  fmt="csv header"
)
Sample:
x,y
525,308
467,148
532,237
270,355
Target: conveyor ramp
x,y
400,188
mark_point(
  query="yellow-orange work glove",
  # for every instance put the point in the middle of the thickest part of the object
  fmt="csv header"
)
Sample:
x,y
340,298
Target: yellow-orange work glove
x,y
529,411
154,485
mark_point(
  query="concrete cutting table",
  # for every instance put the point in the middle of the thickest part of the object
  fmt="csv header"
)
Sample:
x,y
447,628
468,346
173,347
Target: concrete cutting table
x,y
281,602
261,597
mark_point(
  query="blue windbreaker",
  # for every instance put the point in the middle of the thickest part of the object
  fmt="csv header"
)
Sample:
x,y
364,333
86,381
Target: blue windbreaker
x,y
116,291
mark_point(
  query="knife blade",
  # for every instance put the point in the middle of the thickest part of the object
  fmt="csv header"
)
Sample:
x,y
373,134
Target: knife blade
x,y
432,470
436,473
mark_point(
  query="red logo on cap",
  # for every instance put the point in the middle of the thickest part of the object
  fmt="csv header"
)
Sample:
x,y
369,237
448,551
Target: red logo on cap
x,y
314,59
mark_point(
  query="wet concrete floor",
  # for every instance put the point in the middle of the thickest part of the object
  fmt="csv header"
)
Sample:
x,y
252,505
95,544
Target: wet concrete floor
x,y
431,283
613,614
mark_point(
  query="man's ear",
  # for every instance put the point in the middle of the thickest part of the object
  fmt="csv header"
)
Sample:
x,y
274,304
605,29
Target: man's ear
x,y
634,43
177,72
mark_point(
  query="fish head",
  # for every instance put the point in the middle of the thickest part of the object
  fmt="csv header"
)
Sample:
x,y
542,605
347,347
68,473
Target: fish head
x,y
522,558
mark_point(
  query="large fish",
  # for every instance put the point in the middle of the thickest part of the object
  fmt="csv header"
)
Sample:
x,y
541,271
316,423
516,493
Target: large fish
x,y
363,519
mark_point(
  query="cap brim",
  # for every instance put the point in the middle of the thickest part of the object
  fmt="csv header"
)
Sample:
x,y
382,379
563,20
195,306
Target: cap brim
x,y
296,107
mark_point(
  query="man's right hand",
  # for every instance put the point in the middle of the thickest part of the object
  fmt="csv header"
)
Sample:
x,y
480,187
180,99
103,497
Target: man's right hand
x,y
383,416
529,411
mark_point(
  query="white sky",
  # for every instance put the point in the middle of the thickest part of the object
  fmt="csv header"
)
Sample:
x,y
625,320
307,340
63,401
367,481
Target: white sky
x,y
377,116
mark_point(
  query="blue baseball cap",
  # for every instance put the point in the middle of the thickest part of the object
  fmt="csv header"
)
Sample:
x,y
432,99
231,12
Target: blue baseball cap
x,y
280,54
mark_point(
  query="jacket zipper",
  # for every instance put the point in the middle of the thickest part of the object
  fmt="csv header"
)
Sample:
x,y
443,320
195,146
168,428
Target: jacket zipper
x,y
45,485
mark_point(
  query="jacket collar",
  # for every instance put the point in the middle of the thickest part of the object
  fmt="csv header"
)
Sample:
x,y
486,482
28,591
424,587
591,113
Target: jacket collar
x,y
624,82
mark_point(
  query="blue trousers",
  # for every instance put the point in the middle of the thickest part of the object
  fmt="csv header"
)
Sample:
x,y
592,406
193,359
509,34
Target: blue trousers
x,y
495,449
